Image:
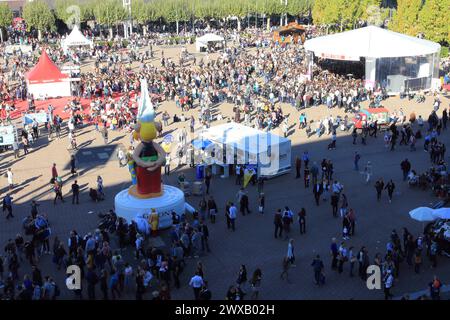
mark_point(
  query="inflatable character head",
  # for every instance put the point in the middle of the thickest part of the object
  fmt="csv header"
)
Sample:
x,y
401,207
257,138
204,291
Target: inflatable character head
x,y
146,129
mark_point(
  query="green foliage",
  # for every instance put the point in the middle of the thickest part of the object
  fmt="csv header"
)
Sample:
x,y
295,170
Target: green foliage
x,y
406,17
109,12
38,15
6,15
444,52
433,20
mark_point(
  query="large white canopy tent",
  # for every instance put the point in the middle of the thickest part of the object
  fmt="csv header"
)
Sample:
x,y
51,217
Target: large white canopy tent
x,y
74,39
392,59
204,41
271,153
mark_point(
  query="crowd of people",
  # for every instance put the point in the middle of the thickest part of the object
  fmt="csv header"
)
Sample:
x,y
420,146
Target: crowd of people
x,y
255,82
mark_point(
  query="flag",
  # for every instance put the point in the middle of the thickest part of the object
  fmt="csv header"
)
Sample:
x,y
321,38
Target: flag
x,y
248,174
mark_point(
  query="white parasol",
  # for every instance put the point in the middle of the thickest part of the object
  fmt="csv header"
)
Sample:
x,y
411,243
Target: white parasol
x,y
422,214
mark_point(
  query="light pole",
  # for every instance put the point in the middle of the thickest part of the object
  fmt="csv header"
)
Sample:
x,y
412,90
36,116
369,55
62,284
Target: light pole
x,y
127,25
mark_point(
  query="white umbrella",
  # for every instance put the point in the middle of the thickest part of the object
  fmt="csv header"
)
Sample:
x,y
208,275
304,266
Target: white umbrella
x,y
442,213
422,214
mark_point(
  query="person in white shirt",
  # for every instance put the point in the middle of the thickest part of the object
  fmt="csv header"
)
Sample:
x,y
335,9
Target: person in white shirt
x,y
9,176
196,283
232,214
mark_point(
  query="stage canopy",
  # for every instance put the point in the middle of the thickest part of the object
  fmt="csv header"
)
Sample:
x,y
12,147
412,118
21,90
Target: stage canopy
x,y
393,60
46,80
371,42
203,41
75,38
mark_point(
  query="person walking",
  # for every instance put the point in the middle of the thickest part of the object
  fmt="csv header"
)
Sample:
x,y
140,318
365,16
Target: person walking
x,y
379,186
318,267
390,188
278,222
212,209
242,277
75,192
208,177
196,283
58,192
334,253
302,220
261,203
287,220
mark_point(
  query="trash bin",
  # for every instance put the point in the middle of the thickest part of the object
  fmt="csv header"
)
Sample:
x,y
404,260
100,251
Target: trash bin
x,y
200,172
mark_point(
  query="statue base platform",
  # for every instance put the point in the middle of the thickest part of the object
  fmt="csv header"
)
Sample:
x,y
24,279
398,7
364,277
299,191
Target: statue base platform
x,y
171,199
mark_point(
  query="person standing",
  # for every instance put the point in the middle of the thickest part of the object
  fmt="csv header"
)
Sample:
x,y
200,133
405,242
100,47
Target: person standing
x,y
435,288
285,270
232,214
390,188
302,220
290,252
261,203
318,267
10,178
75,192
196,283
334,253
356,161
73,170
105,133
379,186
255,283
278,222
317,190
7,206
405,165
16,150
334,203
208,177
298,167
54,171
388,283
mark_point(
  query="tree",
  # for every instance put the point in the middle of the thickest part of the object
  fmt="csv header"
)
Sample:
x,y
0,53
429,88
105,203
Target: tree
x,y
38,15
6,17
73,11
109,13
433,20
406,17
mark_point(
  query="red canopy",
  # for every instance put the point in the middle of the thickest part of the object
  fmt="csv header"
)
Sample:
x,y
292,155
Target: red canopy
x,y
45,71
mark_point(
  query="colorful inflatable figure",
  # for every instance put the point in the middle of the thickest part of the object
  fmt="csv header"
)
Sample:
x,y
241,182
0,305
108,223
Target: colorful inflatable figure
x,y
148,156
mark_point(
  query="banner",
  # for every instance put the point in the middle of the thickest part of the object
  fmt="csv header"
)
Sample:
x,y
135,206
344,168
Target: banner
x,y
41,117
249,171
6,135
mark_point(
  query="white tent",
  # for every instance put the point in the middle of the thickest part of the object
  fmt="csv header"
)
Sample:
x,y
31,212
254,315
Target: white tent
x,y
271,153
389,56
75,38
203,41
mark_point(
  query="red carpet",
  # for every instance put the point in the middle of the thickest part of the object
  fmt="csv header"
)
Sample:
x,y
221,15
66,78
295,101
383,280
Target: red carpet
x,y
58,104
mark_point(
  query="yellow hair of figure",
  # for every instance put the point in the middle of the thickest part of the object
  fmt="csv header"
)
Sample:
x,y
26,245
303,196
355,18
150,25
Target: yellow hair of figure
x,y
148,131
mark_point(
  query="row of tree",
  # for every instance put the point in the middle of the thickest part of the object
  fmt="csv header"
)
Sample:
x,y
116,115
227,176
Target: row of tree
x,y
413,17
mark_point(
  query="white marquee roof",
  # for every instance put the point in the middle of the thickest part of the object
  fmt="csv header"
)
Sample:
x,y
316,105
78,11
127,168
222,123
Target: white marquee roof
x,y
242,137
210,37
76,38
371,42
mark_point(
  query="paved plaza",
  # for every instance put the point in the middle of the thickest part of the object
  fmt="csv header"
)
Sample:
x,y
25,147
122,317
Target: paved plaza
x,y
252,243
